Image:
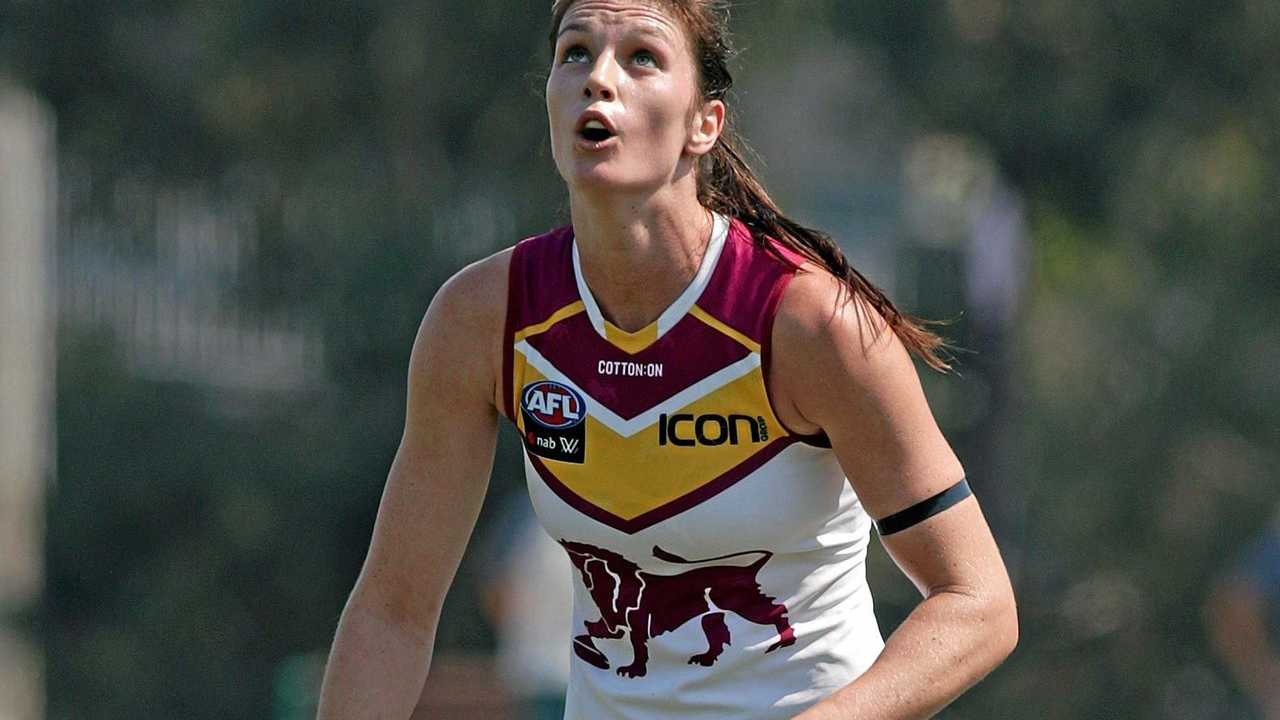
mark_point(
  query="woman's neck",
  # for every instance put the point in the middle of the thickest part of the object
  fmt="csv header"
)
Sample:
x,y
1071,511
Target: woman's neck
x,y
639,254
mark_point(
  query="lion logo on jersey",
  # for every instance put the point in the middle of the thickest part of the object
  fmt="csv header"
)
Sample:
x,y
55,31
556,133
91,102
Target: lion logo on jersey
x,y
644,604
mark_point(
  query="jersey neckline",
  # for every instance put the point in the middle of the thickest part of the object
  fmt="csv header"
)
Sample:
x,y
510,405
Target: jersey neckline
x,y
634,342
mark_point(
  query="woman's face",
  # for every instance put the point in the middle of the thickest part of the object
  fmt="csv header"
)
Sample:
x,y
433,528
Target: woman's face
x,y
621,97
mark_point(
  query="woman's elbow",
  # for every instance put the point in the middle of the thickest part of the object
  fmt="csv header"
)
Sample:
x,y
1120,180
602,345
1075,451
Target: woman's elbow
x,y
1002,619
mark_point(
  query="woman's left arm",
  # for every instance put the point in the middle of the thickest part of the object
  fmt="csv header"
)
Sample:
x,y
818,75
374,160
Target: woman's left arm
x,y
845,373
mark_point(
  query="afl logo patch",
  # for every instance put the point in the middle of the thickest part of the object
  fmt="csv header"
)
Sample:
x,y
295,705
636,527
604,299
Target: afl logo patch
x,y
554,421
553,405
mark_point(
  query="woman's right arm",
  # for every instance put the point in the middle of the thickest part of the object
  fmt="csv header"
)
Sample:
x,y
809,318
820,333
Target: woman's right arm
x,y
433,495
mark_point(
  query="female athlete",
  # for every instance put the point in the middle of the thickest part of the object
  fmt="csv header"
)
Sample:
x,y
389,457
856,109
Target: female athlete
x,y
714,407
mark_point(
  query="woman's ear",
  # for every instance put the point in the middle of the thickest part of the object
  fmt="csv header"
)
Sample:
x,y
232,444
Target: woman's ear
x,y
707,124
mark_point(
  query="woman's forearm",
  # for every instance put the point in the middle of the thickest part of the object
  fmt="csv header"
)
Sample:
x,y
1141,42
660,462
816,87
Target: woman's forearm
x,y
376,668
946,645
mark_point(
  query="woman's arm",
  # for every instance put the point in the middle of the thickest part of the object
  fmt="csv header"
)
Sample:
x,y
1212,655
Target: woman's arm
x,y
433,494
845,373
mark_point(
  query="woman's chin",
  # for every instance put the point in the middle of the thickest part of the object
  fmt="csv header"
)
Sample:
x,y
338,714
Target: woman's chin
x,y
599,177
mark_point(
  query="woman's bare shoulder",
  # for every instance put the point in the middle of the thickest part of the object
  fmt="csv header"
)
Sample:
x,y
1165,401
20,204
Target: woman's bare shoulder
x,y
823,332
818,309
840,367
478,292
463,326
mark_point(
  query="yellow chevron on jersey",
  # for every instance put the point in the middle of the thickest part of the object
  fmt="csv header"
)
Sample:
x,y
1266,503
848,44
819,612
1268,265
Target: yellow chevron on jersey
x,y
705,438
563,313
707,318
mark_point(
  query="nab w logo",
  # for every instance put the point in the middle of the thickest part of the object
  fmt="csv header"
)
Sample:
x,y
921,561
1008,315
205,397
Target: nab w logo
x,y
689,431
554,418
553,405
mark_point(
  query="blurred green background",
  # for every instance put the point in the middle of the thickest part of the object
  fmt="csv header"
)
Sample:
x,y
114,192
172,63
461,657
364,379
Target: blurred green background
x,y
251,203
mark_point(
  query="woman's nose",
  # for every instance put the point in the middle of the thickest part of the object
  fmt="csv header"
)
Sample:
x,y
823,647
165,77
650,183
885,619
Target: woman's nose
x,y
603,93
600,83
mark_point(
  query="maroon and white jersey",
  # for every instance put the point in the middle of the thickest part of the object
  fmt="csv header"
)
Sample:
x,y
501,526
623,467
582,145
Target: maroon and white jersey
x,y
718,560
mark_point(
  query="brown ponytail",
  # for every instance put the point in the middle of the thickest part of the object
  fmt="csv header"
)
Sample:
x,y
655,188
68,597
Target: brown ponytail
x,y
728,185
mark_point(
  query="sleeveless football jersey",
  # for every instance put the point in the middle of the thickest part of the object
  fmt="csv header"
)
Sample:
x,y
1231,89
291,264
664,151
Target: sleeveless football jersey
x,y
718,560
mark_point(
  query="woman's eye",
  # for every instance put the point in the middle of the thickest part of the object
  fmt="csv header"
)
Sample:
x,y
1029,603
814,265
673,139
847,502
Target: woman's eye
x,y
575,54
644,57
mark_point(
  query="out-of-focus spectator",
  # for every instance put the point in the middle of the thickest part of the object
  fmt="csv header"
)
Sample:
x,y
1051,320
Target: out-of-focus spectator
x,y
1243,616
526,595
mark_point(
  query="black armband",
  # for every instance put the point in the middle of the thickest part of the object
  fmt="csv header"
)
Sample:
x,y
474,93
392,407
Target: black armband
x,y
923,510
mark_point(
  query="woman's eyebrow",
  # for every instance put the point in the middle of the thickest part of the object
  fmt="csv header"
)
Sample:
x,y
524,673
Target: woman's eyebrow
x,y
654,32
579,27
650,30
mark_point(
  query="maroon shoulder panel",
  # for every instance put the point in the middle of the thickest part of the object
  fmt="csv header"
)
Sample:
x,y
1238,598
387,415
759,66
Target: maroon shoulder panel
x,y
546,276
539,282
746,279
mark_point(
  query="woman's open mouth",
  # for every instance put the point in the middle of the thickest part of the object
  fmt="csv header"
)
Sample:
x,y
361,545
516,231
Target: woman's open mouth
x,y
595,134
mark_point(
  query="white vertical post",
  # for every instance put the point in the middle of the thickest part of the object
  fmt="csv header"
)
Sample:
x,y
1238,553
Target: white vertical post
x,y
27,326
